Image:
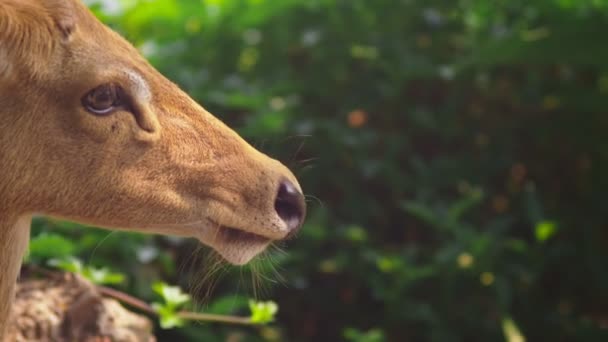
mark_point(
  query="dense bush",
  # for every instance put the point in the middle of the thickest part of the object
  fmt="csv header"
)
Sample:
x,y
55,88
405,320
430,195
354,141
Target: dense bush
x,y
455,155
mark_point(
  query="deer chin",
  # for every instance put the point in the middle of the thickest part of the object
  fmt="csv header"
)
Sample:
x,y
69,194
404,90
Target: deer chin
x,y
235,245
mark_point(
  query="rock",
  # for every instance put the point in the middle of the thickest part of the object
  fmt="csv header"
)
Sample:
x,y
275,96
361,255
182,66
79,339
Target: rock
x,y
70,308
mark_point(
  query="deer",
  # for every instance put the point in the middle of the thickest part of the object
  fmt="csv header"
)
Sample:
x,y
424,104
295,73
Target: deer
x,y
92,133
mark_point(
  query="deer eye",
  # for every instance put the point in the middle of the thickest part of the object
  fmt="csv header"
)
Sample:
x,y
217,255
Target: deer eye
x,y
104,99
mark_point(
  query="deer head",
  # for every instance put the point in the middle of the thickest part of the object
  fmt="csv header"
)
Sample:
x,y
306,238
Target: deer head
x,y
91,132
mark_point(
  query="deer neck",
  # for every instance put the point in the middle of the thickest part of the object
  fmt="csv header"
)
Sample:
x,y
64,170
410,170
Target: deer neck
x,y
14,237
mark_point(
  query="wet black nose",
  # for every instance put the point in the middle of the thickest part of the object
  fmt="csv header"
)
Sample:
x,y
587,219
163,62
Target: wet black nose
x,y
290,206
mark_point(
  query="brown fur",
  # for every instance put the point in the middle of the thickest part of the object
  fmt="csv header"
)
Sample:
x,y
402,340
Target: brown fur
x,y
166,166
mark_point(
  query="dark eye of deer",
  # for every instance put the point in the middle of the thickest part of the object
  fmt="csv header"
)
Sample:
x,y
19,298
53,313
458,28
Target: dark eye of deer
x,y
103,99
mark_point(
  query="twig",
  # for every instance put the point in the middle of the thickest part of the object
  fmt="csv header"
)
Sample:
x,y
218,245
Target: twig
x,y
145,307
197,316
187,315
127,299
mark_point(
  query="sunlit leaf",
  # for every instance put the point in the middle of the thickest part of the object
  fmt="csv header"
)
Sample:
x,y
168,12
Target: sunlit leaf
x,y
545,230
263,312
102,276
511,331
173,295
69,264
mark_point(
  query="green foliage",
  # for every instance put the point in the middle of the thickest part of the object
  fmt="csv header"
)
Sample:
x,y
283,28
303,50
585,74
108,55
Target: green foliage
x,y
511,331
99,276
70,264
47,246
373,335
103,276
456,148
263,312
545,230
173,300
172,295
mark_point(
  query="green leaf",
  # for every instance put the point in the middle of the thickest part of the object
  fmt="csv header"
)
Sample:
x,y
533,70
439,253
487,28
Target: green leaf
x,y
421,212
511,331
263,312
388,264
356,234
227,304
168,316
173,298
46,246
458,209
545,230
172,295
372,335
69,264
102,276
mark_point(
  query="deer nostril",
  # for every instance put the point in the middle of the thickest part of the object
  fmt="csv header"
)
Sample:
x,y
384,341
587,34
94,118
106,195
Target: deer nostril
x,y
290,206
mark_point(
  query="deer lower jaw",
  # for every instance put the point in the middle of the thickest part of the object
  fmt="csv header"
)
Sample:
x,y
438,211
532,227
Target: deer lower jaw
x,y
235,245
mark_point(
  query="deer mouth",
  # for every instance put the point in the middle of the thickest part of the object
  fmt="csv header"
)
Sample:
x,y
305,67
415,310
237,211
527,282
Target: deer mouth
x,y
235,235
237,246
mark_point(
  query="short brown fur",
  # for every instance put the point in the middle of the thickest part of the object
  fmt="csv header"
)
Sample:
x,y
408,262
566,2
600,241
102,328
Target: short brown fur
x,y
164,166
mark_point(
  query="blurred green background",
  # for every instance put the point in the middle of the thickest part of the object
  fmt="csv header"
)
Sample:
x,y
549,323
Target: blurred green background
x,y
455,155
